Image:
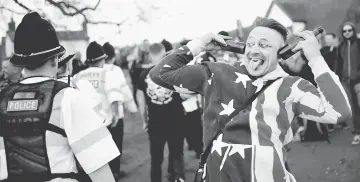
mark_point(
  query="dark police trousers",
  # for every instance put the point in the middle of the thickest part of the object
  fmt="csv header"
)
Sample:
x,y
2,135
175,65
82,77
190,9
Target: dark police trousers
x,y
117,134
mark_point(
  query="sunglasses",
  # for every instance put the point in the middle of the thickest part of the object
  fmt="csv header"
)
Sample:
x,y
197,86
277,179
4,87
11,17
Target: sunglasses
x,y
349,30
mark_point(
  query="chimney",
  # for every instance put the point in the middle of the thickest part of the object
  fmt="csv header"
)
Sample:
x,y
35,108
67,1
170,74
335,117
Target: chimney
x,y
84,26
11,25
240,30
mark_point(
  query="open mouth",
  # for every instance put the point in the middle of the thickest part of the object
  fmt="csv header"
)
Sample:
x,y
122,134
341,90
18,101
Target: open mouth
x,y
255,63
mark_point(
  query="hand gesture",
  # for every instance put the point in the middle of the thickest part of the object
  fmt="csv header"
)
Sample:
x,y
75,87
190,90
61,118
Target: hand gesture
x,y
208,42
114,121
310,45
145,126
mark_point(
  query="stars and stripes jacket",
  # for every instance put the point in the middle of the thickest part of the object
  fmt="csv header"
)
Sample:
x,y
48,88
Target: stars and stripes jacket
x,y
267,120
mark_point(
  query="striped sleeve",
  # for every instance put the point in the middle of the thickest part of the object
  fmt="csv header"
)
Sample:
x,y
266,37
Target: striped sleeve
x,y
174,73
328,103
89,139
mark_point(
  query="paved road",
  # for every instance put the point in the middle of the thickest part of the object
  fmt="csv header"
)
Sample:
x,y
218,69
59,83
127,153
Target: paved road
x,y
309,162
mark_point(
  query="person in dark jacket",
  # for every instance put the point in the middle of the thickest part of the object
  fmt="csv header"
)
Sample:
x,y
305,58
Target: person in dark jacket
x,y
329,51
349,73
330,54
163,116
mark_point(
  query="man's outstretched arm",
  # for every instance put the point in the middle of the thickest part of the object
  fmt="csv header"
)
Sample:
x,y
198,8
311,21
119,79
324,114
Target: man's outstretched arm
x,y
174,73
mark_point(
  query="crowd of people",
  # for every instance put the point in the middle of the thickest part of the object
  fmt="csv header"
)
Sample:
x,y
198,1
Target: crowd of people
x,y
236,112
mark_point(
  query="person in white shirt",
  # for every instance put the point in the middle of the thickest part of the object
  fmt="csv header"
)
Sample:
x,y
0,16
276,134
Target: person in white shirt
x,y
129,104
45,123
105,83
65,70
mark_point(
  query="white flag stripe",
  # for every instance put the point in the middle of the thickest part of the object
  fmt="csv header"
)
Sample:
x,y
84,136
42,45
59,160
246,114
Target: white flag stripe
x,y
270,116
3,165
264,157
312,101
254,124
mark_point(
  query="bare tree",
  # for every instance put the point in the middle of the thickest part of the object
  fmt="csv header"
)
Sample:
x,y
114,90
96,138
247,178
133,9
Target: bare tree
x,y
74,8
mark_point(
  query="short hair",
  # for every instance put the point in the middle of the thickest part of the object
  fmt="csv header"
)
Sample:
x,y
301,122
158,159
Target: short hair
x,y
109,50
53,60
332,34
62,69
168,46
156,49
273,24
184,42
224,33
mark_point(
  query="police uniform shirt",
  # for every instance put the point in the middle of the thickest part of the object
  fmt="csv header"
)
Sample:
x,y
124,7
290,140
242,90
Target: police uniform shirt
x,y
105,83
125,90
86,136
87,89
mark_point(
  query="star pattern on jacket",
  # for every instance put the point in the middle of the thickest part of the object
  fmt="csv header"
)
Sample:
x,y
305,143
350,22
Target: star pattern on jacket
x,y
258,83
218,144
240,149
242,78
228,108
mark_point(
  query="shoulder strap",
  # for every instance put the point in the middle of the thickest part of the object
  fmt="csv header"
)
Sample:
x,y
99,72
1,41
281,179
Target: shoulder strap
x,y
206,153
58,86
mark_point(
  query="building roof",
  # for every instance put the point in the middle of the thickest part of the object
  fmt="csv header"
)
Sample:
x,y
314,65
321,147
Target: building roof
x,y
329,14
72,35
11,34
246,30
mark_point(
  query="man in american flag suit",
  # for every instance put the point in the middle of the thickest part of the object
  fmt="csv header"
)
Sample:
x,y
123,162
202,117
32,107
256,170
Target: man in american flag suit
x,y
251,146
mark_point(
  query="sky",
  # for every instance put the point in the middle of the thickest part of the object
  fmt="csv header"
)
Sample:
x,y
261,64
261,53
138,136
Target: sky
x,y
174,19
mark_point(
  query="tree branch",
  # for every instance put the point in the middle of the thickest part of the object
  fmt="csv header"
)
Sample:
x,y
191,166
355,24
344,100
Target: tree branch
x,y
108,22
63,6
11,10
70,9
22,5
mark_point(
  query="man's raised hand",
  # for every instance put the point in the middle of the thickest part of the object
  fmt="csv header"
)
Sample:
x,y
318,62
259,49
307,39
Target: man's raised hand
x,y
208,42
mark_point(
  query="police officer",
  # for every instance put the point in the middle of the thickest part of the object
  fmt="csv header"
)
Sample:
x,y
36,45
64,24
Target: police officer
x,y
44,123
129,103
65,70
105,83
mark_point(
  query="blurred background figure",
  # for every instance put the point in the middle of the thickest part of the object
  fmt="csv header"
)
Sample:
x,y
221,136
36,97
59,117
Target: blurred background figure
x,y
225,56
139,64
168,46
349,73
11,74
164,118
330,53
128,103
77,64
329,50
